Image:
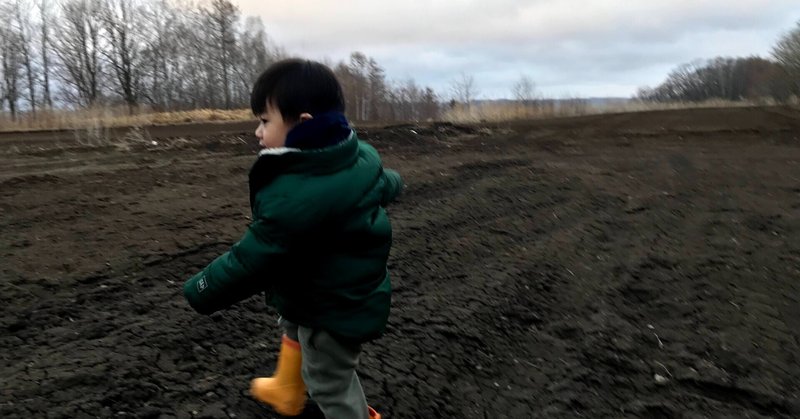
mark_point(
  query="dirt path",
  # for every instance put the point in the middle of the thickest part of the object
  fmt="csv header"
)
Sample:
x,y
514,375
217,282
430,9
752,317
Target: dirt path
x,y
632,265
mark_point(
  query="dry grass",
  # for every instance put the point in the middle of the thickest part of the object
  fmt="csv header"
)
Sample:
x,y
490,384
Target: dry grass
x,y
510,111
103,118
94,122
639,106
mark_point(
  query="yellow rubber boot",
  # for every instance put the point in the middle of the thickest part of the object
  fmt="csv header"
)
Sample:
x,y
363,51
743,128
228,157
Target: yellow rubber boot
x,y
373,414
285,391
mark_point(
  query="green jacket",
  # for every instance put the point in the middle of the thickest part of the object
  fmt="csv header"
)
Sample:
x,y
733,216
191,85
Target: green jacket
x,y
318,243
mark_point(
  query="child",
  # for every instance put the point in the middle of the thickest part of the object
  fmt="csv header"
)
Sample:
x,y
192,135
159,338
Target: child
x,y
317,246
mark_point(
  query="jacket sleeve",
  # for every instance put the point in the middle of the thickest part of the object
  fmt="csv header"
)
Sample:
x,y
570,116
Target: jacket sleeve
x,y
239,273
393,185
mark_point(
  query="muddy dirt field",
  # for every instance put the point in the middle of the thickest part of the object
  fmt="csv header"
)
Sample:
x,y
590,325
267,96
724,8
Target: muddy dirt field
x,y
632,265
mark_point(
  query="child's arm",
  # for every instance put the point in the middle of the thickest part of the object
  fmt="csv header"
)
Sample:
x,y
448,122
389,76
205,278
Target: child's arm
x,y
393,185
238,273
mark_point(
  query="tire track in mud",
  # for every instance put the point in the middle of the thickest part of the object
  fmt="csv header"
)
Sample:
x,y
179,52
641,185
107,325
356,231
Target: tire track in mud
x,y
504,297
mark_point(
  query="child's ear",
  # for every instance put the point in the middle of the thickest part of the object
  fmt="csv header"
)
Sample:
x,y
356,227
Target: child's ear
x,y
305,116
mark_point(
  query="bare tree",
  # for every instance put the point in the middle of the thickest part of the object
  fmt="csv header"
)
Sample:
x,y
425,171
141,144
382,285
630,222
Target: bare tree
x,y
733,79
360,77
429,108
222,17
78,49
2,75
11,61
12,64
44,48
2,86
524,90
120,18
167,42
256,52
787,52
255,44
359,68
204,78
409,100
257,48
464,89
24,34
377,91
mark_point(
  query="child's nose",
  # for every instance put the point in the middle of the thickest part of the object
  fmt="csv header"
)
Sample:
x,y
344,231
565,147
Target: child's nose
x,y
258,132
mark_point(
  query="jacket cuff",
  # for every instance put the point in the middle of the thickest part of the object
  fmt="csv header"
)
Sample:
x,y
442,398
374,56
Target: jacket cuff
x,y
193,291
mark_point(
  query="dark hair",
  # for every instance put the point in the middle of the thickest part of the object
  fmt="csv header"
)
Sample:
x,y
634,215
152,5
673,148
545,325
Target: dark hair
x,y
296,86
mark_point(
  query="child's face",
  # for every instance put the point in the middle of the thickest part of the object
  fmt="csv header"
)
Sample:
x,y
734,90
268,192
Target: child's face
x,y
272,129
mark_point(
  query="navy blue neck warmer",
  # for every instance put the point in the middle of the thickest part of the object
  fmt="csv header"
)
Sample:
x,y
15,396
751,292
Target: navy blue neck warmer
x,y
324,130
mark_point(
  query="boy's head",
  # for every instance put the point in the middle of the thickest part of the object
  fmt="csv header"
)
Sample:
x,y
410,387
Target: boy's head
x,y
290,92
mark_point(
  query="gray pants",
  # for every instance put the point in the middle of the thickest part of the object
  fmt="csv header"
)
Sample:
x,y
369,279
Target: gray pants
x,y
329,371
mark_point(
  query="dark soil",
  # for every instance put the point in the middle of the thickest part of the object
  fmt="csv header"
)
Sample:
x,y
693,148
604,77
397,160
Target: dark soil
x,y
632,265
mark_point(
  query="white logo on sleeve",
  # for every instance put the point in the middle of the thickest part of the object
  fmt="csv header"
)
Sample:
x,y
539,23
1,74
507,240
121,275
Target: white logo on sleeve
x,y
202,284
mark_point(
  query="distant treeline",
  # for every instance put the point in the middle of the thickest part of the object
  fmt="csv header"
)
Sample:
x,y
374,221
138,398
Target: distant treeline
x,y
174,55
163,55
735,79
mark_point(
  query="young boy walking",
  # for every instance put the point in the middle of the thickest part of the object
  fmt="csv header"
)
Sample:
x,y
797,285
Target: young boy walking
x,y
317,246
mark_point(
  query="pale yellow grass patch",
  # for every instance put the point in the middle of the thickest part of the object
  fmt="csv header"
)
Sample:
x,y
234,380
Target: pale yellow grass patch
x,y
544,109
116,117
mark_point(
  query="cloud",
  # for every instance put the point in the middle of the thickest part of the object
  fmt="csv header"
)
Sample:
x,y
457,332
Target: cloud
x,y
583,47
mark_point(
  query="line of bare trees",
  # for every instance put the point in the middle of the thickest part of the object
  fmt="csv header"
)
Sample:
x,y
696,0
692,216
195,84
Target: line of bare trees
x,y
735,79
162,55
370,97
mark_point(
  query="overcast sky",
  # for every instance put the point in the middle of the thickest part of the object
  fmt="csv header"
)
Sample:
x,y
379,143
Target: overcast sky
x,y
588,48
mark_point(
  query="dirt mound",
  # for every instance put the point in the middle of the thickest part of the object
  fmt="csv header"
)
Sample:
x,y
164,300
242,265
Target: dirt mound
x,y
404,135
640,265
